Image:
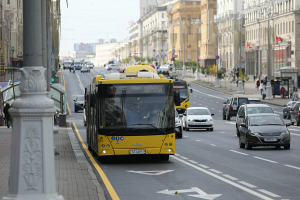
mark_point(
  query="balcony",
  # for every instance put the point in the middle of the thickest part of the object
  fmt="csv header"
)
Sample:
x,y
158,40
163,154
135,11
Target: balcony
x,y
246,6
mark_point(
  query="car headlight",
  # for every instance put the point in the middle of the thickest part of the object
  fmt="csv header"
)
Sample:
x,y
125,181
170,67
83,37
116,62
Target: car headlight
x,y
254,134
191,120
209,120
283,133
178,122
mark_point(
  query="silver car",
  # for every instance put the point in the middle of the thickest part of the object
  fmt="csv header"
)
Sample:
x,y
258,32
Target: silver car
x,y
85,69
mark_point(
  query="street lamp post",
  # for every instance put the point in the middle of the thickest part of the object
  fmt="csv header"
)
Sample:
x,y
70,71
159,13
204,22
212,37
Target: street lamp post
x,y
32,169
269,90
183,67
240,83
197,22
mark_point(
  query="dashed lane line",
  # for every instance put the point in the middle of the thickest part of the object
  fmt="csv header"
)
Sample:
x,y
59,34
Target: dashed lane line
x,y
239,152
192,161
295,134
292,167
204,166
216,171
265,159
198,140
213,145
230,123
231,177
224,179
247,184
269,193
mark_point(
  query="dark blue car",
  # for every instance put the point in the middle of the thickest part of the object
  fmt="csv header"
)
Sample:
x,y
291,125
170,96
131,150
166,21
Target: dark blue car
x,y
77,67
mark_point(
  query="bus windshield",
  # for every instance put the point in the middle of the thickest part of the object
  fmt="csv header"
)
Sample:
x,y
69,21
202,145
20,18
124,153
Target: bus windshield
x,y
137,109
181,85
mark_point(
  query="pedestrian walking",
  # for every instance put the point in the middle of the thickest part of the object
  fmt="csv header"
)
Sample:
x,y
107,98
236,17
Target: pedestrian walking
x,y
257,84
6,113
282,90
237,83
295,96
261,88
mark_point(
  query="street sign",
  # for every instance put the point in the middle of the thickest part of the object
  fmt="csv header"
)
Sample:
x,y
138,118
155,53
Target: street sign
x,y
153,50
240,64
18,79
141,52
176,56
162,50
152,173
201,194
217,57
161,56
173,50
211,54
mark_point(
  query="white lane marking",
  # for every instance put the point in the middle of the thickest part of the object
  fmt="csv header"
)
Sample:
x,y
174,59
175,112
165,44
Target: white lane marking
x,y
247,184
278,112
222,132
192,161
177,154
212,108
224,179
217,102
293,129
292,167
295,134
185,136
230,123
80,84
152,173
213,145
201,194
184,157
204,166
200,104
209,95
216,171
239,152
220,111
265,159
269,193
198,140
230,177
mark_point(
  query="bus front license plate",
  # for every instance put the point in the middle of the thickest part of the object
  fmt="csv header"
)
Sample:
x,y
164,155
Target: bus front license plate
x,y
137,151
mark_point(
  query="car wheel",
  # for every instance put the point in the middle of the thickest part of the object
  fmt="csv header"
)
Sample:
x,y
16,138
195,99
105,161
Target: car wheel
x,y
183,127
224,116
237,132
292,123
247,145
284,116
297,122
242,145
287,146
288,116
179,135
75,110
227,117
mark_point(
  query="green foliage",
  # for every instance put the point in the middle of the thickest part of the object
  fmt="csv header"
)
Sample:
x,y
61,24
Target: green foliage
x,y
213,70
178,64
150,59
221,73
207,69
202,70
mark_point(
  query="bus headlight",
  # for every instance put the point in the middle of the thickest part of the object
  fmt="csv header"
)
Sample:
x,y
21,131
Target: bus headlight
x,y
103,151
186,106
170,150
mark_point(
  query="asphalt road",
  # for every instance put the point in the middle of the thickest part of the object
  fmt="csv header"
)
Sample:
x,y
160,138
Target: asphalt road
x,y
207,165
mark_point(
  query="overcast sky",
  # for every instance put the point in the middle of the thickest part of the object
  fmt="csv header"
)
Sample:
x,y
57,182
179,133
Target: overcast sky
x,y
88,20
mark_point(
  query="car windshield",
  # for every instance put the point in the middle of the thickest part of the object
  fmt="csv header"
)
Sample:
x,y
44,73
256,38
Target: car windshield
x,y
253,110
164,68
265,120
243,100
80,98
198,112
293,103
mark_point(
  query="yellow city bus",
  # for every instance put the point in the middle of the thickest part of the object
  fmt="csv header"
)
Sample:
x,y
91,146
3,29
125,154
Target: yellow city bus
x,y
182,86
129,114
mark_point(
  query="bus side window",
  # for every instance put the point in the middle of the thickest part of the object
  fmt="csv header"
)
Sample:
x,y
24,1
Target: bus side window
x,y
92,100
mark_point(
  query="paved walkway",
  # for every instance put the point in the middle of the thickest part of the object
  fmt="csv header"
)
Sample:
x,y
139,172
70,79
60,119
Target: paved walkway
x,y
231,88
75,179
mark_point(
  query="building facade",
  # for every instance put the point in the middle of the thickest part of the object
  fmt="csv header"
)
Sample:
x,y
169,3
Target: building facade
x,y
229,34
105,52
148,5
283,17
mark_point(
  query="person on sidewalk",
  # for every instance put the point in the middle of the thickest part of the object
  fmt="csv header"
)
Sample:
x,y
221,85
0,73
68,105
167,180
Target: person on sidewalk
x,y
261,88
295,96
6,113
257,84
282,90
273,91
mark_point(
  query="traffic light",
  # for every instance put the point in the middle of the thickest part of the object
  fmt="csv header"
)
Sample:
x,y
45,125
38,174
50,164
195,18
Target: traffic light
x,y
154,59
173,58
52,80
198,59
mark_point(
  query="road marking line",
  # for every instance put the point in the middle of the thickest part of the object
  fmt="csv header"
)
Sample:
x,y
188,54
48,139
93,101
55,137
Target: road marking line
x,y
269,193
184,157
69,109
192,161
293,129
198,140
247,184
239,152
222,132
230,177
216,171
230,123
204,166
213,145
108,185
292,167
212,108
224,179
295,134
177,154
265,159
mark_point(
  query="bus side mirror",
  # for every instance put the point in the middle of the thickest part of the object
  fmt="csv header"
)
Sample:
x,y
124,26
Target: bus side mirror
x,y
93,100
191,90
176,98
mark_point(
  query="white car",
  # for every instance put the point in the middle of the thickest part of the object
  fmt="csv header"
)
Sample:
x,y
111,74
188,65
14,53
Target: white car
x,y
113,67
197,118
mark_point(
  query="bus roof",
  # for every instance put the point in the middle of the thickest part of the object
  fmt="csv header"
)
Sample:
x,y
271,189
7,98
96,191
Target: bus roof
x,y
136,68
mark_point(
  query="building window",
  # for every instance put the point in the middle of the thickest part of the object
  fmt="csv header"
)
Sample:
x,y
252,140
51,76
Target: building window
x,y
293,26
189,29
162,15
189,17
7,1
162,25
289,26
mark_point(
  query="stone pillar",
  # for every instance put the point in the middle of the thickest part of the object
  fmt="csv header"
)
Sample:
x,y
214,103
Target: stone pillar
x,y
197,75
240,88
217,82
32,169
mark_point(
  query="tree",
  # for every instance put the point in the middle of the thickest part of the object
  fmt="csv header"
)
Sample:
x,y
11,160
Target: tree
x,y
178,64
202,70
213,70
243,77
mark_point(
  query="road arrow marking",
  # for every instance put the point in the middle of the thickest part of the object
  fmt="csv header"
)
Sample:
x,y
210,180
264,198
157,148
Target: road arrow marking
x,y
152,173
201,194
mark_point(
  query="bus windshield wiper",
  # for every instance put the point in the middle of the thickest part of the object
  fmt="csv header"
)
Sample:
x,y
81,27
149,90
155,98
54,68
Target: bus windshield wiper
x,y
152,126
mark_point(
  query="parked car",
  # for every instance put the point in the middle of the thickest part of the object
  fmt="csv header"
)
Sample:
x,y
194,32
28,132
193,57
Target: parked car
x,y
197,118
112,67
121,70
90,65
287,109
264,130
85,69
79,103
254,101
248,109
163,70
232,105
178,124
295,114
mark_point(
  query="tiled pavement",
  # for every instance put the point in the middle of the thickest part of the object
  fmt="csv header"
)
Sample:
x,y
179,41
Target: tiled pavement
x,y
75,179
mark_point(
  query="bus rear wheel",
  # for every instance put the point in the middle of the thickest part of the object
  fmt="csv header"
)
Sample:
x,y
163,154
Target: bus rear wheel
x,y
164,157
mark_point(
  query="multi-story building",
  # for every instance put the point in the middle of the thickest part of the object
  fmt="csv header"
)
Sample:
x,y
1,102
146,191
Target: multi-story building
x,y
134,43
106,52
283,17
154,34
228,39
148,5
88,47
184,33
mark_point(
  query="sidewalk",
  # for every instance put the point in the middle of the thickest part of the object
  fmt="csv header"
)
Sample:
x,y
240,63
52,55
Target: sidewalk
x,y
75,179
231,88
